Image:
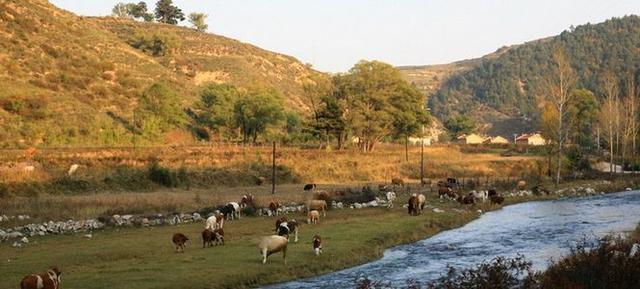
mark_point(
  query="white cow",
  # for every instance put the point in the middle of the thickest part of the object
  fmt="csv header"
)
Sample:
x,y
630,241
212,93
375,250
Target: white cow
x,y
211,223
390,197
480,195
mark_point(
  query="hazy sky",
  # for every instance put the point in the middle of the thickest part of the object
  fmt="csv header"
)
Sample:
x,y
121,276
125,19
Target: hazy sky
x,y
334,34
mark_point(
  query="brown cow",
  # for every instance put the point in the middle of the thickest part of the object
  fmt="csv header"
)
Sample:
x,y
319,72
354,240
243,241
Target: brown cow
x,y
180,241
397,182
322,195
413,205
247,201
273,207
46,280
319,205
207,238
496,199
466,200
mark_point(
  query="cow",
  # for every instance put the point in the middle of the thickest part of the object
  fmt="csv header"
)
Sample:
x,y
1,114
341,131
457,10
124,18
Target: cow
x,y
231,211
322,195
214,221
397,182
273,244
492,193
313,217
180,241
309,187
466,200
218,236
391,196
47,280
317,245
480,195
496,199
521,184
285,228
413,205
207,238
318,205
247,201
422,200
273,207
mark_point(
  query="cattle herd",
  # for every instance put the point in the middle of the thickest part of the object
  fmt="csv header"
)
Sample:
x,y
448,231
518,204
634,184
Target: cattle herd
x,y
213,232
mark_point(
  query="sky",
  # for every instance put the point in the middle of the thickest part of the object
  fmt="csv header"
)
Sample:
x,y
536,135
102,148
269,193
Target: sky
x,y
333,35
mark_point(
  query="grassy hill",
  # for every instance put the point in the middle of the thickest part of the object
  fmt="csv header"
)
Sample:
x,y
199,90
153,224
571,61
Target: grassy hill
x,y
70,80
500,90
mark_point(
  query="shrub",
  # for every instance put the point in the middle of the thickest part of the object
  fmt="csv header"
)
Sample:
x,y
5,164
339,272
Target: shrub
x,y
162,176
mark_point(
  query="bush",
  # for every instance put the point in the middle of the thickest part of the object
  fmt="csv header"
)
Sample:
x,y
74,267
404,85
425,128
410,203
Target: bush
x,y
163,176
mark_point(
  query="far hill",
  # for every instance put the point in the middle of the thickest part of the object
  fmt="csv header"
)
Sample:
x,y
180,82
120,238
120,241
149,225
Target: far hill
x,y
66,79
500,90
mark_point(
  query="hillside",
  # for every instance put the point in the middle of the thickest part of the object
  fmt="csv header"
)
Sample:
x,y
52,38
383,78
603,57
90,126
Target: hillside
x,y
70,80
500,90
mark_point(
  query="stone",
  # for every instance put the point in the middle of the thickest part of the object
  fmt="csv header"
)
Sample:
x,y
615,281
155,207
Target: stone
x,y
436,210
24,240
635,250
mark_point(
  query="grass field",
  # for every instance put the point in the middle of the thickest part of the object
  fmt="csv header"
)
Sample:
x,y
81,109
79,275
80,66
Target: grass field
x,y
144,257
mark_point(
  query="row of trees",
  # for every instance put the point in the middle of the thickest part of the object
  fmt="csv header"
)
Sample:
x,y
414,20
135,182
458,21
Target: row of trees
x,y
577,120
369,103
165,12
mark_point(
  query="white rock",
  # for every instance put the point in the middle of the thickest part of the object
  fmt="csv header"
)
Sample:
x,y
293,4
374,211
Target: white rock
x,y
628,189
479,211
88,236
24,240
436,210
17,244
357,206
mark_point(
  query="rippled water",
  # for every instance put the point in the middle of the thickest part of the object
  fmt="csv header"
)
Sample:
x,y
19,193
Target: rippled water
x,y
538,230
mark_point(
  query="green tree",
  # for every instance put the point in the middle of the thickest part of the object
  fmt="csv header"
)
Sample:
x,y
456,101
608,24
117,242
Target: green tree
x,y
168,13
123,10
155,44
198,21
216,107
376,93
255,111
584,113
332,120
159,110
459,124
140,11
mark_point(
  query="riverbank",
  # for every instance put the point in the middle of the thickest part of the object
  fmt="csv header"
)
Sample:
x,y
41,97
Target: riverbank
x,y
144,258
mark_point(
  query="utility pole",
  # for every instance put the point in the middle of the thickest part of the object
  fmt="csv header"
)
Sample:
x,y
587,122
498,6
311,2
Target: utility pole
x,y
422,163
273,170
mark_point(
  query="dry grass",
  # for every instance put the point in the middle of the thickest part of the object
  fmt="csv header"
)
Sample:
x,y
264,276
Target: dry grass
x,y
310,165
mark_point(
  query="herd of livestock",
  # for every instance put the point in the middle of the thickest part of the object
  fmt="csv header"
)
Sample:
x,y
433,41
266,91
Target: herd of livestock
x,y
213,232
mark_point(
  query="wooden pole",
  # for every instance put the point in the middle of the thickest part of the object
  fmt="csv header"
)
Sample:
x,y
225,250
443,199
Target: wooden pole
x,y
273,170
422,163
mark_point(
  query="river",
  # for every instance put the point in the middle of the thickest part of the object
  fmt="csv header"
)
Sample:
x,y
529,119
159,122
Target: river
x,y
538,230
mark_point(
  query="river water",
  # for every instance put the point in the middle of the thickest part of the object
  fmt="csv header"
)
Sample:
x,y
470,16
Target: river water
x,y
538,230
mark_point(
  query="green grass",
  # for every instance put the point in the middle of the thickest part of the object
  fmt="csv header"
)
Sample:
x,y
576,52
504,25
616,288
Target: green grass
x,y
144,257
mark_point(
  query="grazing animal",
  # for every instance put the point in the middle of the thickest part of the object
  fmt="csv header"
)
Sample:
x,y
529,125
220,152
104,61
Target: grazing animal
x,y
521,184
247,201
285,228
492,193
413,206
317,245
467,200
496,199
313,217
273,244
207,238
391,196
218,236
280,221
444,191
180,240
425,181
46,280
73,169
231,211
480,195
318,205
397,182
422,200
382,187
273,207
309,187
260,181
322,195
211,223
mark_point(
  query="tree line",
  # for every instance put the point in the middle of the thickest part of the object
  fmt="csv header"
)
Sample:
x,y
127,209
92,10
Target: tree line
x,y
165,12
370,103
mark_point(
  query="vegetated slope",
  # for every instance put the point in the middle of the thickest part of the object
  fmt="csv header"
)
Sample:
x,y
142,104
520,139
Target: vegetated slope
x,y
66,79
60,73
501,91
205,58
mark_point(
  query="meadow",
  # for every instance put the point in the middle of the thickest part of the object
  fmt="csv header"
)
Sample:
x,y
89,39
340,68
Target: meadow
x,y
144,257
